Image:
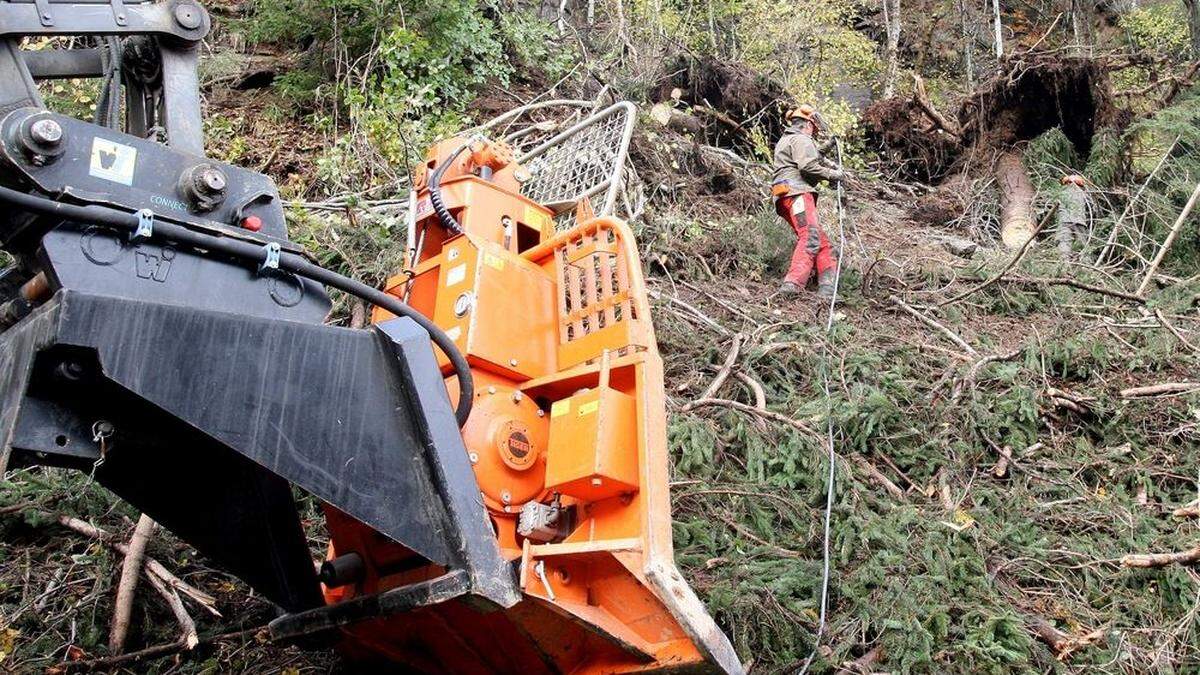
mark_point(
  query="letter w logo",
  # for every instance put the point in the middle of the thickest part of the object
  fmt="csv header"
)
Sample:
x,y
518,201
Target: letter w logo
x,y
155,267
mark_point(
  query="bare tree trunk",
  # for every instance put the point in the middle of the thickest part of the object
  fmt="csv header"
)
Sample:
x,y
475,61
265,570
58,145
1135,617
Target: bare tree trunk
x,y
968,39
1193,16
891,19
1081,22
999,32
1016,200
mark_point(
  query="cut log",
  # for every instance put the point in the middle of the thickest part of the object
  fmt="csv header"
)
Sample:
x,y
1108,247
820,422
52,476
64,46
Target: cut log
x,y
1017,222
676,120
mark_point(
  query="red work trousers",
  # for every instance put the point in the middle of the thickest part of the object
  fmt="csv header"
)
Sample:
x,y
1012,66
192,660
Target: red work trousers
x,y
812,246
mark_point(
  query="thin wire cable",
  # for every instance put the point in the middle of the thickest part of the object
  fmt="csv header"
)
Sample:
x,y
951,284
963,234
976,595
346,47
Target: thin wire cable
x,y
826,384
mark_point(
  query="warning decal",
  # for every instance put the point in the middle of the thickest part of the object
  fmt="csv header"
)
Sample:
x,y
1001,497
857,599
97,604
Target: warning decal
x,y
113,161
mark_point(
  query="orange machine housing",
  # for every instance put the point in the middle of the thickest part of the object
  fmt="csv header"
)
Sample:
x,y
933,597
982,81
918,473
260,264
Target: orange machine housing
x,y
569,413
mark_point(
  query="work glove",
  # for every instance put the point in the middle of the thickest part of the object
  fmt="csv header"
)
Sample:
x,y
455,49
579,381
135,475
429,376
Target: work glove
x,y
838,176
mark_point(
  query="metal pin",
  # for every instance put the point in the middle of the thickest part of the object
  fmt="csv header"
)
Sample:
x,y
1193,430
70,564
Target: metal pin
x,y
540,568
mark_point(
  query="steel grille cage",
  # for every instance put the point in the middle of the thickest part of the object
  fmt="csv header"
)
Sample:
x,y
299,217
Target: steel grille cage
x,y
587,160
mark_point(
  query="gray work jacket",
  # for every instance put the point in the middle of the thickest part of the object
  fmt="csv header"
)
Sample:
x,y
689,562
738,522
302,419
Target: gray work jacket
x,y
798,163
1072,205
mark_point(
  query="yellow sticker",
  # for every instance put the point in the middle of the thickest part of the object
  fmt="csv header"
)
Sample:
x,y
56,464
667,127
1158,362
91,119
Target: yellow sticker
x,y
589,408
493,261
534,217
560,408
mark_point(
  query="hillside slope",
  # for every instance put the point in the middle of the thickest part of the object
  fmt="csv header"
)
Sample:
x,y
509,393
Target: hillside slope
x,y
997,453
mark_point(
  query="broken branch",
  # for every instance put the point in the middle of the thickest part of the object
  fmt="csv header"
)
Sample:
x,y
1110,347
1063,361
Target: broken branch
x,y
188,638
921,98
723,374
933,323
127,587
1151,560
1178,336
1059,281
767,414
201,598
1164,389
155,652
1169,241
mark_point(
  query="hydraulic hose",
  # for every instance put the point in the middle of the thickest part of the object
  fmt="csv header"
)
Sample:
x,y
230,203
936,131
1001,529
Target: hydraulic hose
x,y
435,192
248,251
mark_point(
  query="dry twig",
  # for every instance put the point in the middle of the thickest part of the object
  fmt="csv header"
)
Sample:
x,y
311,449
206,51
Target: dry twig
x,y
1164,389
1151,560
1178,336
1171,236
155,652
933,323
188,636
767,414
127,587
973,373
691,311
201,598
877,477
1060,281
723,374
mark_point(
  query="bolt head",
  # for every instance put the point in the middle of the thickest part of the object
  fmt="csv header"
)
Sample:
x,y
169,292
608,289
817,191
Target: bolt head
x,y
46,132
213,181
189,16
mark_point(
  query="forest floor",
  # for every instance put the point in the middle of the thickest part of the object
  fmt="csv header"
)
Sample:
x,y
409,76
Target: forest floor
x,y
993,466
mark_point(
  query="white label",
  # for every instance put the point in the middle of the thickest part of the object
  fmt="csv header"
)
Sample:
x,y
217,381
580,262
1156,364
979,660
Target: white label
x,y
113,161
456,275
454,333
424,208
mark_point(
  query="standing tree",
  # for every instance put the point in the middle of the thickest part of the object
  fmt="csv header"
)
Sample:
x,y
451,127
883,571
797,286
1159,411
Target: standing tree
x,y
999,32
1193,17
891,19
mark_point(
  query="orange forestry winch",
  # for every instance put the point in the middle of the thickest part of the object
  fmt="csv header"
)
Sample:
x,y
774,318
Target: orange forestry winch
x,y
567,441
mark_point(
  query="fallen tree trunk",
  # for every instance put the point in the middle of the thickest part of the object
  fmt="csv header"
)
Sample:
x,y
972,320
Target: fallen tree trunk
x,y
1017,223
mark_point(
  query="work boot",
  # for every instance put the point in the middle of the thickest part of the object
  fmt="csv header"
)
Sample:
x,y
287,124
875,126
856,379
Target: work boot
x,y
826,281
789,288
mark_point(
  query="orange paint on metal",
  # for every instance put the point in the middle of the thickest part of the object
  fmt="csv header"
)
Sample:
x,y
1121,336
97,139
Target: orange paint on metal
x,y
570,405
593,445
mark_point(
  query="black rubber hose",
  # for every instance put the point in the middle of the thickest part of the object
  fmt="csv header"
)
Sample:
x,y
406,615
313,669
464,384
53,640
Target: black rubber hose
x,y
248,251
435,192
108,108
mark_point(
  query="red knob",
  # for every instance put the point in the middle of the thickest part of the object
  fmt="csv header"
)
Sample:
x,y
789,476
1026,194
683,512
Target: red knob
x,y
252,223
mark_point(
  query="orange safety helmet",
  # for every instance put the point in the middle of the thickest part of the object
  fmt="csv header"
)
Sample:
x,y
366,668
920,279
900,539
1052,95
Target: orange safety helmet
x,y
804,112
1073,178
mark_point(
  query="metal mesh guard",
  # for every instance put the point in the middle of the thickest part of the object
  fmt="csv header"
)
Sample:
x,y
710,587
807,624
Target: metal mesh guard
x,y
586,160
